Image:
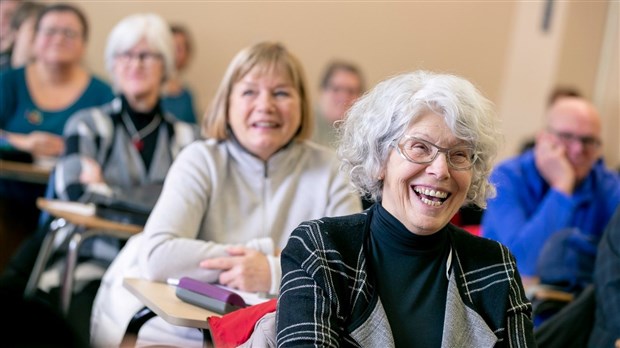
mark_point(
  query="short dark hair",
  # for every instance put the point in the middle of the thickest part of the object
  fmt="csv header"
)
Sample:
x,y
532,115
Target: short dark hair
x,y
563,91
179,29
25,10
337,65
62,7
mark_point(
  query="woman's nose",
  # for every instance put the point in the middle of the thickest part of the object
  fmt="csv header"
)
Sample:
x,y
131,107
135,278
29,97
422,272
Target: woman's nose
x,y
439,167
265,101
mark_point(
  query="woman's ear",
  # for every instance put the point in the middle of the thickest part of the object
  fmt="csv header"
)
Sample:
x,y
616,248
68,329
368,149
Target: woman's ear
x,y
381,175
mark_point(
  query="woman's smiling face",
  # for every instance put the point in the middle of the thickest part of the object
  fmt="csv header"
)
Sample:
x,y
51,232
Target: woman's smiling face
x,y
424,197
265,111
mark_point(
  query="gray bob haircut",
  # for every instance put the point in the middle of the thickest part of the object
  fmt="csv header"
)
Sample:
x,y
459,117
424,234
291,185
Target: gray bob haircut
x,y
386,112
130,30
268,57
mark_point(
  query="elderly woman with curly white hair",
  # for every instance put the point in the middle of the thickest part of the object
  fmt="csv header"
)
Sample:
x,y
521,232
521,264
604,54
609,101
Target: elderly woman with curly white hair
x,y
399,274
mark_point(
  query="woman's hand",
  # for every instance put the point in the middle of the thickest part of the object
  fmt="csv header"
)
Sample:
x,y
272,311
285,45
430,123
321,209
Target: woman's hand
x,y
91,172
38,143
245,269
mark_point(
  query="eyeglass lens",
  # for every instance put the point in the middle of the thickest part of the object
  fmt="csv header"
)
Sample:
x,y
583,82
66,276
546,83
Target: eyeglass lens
x,y
421,151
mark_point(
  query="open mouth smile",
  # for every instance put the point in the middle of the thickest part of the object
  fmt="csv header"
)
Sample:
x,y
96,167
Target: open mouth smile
x,y
265,124
433,198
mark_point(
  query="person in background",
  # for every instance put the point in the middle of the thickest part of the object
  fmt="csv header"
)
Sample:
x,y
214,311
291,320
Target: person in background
x,y
419,144
557,93
561,191
230,202
22,24
126,143
606,328
177,97
7,9
37,100
132,140
342,83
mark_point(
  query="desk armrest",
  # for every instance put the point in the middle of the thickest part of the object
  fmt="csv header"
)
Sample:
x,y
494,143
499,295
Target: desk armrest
x,y
547,294
131,334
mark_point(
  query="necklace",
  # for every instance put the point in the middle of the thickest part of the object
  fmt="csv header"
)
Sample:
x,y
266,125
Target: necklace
x,y
138,135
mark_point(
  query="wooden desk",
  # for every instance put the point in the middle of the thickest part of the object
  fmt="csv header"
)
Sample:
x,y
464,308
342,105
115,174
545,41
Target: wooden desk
x,y
161,299
83,216
79,214
27,172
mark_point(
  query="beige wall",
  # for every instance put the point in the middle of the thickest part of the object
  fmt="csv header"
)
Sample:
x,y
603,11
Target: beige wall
x,y
498,45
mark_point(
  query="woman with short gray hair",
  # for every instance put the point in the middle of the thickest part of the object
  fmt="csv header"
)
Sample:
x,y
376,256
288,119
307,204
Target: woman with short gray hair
x,y
399,274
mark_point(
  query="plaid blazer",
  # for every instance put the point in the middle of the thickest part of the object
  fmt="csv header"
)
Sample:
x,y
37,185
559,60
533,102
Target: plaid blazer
x,y
326,298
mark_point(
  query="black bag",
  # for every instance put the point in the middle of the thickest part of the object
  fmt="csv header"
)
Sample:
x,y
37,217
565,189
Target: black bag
x,y
567,260
130,206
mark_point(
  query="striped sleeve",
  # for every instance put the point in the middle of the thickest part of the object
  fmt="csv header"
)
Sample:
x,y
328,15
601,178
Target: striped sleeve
x,y
308,309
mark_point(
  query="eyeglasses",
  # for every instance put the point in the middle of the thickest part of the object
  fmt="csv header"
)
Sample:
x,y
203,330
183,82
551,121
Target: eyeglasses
x,y
589,143
342,89
420,151
65,32
146,58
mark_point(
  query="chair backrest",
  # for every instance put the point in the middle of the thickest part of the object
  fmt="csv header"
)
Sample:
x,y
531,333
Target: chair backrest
x,y
50,193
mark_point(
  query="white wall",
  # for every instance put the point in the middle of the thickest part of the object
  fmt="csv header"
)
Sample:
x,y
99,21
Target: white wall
x,y
499,45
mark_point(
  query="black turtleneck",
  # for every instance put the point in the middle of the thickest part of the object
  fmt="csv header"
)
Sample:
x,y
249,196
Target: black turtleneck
x,y
141,120
409,271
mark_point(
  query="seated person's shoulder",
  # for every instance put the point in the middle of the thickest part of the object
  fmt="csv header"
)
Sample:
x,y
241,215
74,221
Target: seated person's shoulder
x,y
99,90
341,232
318,150
480,251
516,164
91,116
12,75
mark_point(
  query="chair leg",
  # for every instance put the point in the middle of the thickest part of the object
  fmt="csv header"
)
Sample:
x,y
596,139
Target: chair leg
x,y
66,284
43,257
68,277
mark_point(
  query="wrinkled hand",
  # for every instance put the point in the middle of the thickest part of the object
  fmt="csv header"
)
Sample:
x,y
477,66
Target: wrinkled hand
x,y
245,269
552,163
38,143
91,172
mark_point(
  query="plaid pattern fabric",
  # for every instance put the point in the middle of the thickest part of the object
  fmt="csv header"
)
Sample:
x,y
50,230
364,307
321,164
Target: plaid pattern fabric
x,y
98,133
326,298
606,328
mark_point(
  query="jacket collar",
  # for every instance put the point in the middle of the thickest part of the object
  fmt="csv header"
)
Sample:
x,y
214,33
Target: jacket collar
x,y
280,162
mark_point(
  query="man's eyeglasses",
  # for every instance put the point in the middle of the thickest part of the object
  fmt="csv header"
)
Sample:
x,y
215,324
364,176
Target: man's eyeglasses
x,y
142,57
342,89
420,151
65,32
589,143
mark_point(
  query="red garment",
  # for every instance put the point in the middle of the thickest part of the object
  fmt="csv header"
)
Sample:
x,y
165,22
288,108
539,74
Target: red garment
x,y
235,328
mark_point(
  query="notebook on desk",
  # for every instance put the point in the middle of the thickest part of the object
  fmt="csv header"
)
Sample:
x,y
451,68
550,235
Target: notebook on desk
x,y
131,206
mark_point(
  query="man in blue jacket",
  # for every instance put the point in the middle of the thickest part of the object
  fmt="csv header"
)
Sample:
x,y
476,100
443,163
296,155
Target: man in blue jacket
x,y
560,191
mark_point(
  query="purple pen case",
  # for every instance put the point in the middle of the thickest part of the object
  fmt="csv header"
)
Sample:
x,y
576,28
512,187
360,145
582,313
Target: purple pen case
x,y
212,291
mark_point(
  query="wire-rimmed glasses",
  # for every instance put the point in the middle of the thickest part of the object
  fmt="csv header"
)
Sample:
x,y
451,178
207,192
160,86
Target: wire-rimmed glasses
x,y
420,151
